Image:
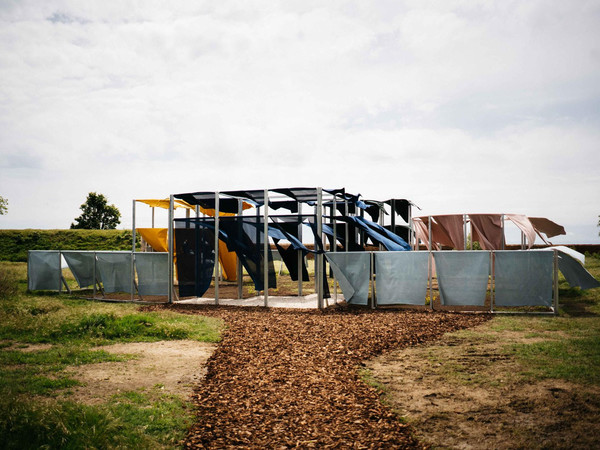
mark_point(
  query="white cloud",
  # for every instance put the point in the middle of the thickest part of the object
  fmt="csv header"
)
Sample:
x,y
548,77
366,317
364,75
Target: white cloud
x,y
460,106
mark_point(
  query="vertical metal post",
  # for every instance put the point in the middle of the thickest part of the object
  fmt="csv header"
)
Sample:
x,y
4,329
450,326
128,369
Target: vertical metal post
x,y
153,217
266,248
319,256
346,228
430,265
555,281
133,236
334,223
240,272
372,264
60,277
465,230
472,234
171,252
95,277
411,231
492,281
300,254
217,198
503,237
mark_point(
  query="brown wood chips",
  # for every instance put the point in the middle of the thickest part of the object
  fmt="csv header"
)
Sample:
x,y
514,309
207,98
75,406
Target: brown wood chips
x,y
284,378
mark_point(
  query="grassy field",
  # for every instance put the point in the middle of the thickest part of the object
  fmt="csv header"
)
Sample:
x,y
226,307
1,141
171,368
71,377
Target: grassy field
x,y
516,381
42,336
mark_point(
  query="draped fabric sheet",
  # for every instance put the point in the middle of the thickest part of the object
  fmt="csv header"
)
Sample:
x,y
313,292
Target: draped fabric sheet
x,y
525,225
575,273
401,277
43,270
114,270
546,226
81,265
487,230
463,277
153,273
353,272
195,249
453,224
523,278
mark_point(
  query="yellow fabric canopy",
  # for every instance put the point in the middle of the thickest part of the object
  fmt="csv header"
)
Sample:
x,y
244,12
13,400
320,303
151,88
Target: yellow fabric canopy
x,y
164,203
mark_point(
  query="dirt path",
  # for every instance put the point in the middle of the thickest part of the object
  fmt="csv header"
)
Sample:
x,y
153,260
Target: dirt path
x,y
174,366
282,379
464,393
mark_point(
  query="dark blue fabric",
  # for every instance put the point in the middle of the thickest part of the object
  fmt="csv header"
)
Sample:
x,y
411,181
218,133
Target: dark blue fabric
x,y
195,249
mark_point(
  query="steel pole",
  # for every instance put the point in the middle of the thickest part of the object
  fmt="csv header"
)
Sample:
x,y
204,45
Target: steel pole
x,y
266,248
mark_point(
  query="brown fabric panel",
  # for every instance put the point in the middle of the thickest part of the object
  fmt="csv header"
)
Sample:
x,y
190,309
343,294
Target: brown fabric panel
x,y
547,227
454,226
487,230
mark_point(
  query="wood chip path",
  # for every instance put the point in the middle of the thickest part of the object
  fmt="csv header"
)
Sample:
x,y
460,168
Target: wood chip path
x,y
290,379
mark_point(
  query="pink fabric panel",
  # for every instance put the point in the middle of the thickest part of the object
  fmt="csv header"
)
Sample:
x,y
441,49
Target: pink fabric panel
x,y
547,227
421,230
487,230
453,224
439,235
525,226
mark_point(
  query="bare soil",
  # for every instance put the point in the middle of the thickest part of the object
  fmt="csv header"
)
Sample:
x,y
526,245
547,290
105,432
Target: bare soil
x,y
175,367
464,394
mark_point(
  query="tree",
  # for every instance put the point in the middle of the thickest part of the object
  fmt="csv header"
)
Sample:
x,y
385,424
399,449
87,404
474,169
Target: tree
x,y
3,205
97,214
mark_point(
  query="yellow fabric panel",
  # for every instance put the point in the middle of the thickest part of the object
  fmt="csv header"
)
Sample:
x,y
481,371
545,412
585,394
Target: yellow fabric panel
x,y
155,237
165,203
228,262
156,203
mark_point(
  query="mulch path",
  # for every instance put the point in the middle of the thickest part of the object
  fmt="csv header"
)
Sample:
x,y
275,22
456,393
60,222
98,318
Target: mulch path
x,y
289,378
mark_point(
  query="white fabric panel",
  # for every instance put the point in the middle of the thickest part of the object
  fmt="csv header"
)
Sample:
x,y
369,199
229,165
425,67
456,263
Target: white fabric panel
x,y
401,277
153,273
523,278
353,272
81,265
115,271
43,270
463,276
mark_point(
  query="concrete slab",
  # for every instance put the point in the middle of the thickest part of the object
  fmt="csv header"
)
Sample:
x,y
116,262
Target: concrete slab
x,y
306,302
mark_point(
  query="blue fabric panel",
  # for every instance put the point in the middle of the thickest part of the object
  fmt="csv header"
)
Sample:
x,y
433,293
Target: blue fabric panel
x,y
114,270
82,266
402,277
153,273
462,276
353,272
386,233
523,278
43,270
575,273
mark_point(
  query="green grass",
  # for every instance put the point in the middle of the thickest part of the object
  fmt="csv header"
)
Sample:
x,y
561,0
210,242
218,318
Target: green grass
x,y
43,336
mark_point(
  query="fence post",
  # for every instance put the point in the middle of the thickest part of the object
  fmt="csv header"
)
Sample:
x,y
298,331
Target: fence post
x,y
555,280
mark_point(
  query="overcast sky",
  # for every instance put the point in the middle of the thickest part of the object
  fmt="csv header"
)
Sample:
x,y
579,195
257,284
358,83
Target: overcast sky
x,y
460,106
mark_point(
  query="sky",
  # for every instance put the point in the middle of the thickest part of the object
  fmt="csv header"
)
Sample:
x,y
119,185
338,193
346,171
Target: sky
x,y
460,106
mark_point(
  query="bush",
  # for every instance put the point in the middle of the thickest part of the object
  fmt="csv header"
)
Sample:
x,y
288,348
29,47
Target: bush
x,y
14,244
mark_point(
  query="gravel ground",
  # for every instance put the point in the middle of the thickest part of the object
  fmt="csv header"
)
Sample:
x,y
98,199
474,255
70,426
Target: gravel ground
x,y
290,379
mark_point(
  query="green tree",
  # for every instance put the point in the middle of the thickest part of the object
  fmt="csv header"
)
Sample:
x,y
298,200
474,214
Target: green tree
x,y
97,214
3,205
